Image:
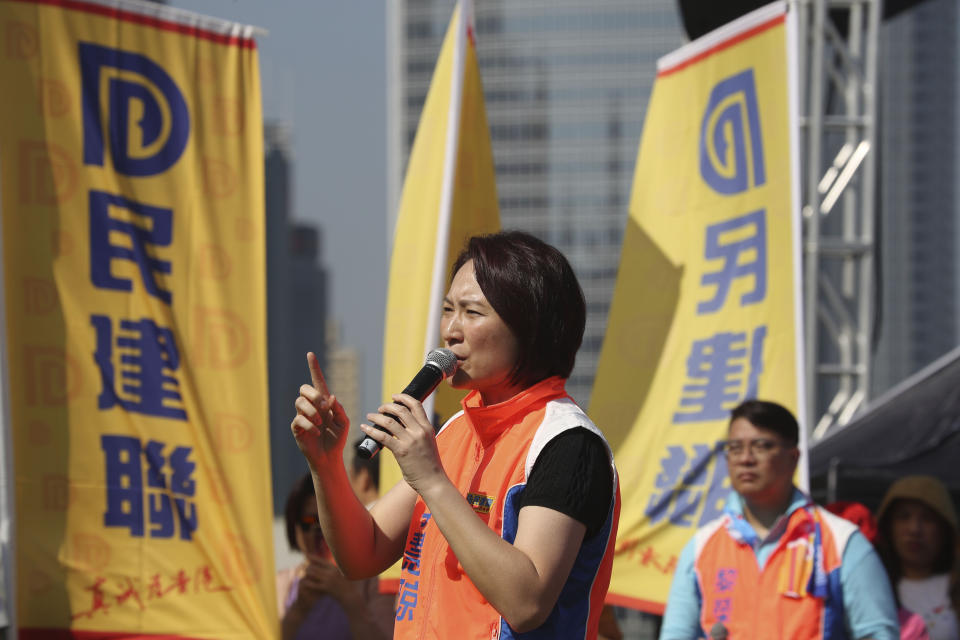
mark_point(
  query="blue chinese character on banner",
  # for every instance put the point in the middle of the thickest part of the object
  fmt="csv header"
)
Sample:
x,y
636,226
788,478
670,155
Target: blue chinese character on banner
x,y
737,262
756,361
151,227
181,480
167,502
164,504
124,471
724,372
680,486
149,359
677,485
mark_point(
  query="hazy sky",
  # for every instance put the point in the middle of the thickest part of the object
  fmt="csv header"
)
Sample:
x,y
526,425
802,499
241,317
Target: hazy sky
x,y
323,69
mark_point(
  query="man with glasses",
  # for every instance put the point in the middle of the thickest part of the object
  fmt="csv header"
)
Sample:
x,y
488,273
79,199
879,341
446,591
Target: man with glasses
x,y
775,565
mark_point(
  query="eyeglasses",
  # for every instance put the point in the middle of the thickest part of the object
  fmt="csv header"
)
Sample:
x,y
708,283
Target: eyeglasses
x,y
309,524
759,448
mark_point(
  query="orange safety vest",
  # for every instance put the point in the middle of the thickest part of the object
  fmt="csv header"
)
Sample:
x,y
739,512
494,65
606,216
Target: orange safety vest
x,y
488,453
797,594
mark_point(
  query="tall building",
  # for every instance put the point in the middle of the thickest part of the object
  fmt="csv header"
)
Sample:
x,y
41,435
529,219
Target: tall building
x,y
296,308
918,315
343,374
566,85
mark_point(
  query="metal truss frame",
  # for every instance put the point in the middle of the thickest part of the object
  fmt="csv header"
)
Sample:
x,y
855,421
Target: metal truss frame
x,y
838,42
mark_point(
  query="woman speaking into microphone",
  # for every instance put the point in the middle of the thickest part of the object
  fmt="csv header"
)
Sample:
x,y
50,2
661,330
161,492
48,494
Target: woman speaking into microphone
x,y
506,518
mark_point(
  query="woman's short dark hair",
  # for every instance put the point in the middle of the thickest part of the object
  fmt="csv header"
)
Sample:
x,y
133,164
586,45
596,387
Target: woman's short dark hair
x,y
770,416
371,465
301,492
533,288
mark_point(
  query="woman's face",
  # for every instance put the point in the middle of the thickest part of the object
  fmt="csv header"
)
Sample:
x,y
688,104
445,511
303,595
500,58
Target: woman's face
x,y
918,537
483,343
308,533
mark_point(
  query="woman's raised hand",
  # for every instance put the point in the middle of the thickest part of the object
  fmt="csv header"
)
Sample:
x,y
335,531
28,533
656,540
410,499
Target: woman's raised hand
x,y
321,424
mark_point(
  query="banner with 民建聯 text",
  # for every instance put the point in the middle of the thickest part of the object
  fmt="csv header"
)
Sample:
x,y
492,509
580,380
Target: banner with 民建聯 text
x,y
705,312
134,289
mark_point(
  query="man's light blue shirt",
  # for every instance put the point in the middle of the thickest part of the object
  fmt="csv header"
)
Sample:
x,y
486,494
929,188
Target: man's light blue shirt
x,y
868,606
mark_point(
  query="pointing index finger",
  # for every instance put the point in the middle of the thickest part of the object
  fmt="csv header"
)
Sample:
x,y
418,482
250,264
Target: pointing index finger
x,y
316,375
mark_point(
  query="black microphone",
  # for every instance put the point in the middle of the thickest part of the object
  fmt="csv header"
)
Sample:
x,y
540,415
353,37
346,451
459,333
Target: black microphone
x,y
440,364
718,632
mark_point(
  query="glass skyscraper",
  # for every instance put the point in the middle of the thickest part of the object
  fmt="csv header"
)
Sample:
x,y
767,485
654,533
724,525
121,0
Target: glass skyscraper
x,y
917,190
566,85
296,306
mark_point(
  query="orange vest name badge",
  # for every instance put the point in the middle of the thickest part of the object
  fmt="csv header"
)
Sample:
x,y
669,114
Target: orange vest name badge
x,y
481,503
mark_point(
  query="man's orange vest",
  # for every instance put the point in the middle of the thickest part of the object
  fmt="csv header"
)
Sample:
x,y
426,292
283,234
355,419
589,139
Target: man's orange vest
x,y
488,453
796,595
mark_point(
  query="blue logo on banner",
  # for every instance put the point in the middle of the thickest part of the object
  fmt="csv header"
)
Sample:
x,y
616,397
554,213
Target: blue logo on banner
x,y
146,116
730,140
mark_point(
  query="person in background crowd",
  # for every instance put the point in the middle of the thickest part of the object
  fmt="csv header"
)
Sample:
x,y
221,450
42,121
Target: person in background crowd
x,y
918,544
912,626
775,565
506,519
314,599
365,479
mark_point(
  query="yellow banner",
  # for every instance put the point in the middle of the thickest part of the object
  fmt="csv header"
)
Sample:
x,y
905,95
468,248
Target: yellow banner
x,y
704,312
133,246
449,194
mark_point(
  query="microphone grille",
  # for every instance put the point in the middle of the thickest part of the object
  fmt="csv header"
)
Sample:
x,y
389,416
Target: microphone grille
x,y
445,360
